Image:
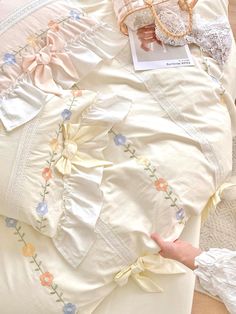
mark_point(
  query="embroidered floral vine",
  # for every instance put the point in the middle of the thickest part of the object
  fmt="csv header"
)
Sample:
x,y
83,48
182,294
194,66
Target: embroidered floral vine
x,y
46,278
160,184
33,40
216,80
39,52
42,207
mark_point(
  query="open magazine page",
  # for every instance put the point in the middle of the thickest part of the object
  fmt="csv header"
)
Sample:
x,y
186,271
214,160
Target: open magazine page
x,y
158,56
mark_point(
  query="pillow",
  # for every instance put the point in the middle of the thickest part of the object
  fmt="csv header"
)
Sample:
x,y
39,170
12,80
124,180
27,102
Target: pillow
x,y
48,46
53,165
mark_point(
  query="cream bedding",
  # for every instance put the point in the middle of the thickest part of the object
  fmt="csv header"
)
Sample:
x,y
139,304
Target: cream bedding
x,y
174,121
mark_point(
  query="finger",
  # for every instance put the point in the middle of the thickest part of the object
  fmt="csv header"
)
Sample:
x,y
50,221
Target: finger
x,y
158,239
150,28
144,47
148,41
146,34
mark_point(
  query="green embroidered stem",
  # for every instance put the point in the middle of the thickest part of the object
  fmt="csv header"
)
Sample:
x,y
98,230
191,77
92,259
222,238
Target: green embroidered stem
x,y
173,200
50,163
38,265
131,151
54,288
19,234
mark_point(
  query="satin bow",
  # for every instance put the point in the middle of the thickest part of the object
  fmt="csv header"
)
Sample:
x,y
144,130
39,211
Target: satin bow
x,y
216,198
47,63
155,264
77,149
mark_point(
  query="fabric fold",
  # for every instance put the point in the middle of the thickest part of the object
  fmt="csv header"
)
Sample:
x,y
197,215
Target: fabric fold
x,y
83,198
22,105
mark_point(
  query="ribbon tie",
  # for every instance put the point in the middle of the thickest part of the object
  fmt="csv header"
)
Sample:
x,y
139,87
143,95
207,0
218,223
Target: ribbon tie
x,y
217,197
77,147
154,264
44,65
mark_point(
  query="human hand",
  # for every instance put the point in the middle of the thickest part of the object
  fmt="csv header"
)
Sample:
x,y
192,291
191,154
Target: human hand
x,y
178,250
147,35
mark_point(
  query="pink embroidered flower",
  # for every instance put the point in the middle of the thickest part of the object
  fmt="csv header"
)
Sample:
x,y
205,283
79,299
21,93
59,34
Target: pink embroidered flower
x,y
32,40
47,174
54,26
161,185
46,279
28,250
77,92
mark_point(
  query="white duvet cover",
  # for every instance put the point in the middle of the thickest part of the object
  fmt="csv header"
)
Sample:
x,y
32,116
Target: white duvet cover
x,y
91,173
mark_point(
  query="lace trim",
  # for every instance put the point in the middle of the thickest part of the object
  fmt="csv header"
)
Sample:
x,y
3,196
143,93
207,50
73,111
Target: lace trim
x,y
213,37
20,13
14,190
175,115
115,242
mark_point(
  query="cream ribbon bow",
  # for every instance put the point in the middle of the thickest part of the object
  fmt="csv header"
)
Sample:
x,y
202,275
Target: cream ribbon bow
x,y
47,62
77,149
216,199
154,264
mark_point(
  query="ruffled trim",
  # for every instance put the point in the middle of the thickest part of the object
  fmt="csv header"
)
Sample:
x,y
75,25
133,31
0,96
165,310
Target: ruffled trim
x,y
62,57
82,197
22,105
216,272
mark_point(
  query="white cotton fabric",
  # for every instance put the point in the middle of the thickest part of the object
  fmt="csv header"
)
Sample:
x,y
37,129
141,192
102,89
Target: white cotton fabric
x,y
216,270
83,42
69,209
172,118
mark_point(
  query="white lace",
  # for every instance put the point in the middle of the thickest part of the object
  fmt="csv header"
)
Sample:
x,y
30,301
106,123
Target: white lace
x,y
213,37
20,13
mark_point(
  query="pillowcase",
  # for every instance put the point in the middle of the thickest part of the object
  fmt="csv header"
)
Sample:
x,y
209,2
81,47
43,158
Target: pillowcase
x,y
53,165
47,46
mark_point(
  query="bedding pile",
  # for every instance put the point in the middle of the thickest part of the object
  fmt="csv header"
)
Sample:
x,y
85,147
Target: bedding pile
x,y
95,157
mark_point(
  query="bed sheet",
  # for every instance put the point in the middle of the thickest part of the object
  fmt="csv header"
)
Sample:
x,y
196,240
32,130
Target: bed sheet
x,y
178,290
22,291
37,279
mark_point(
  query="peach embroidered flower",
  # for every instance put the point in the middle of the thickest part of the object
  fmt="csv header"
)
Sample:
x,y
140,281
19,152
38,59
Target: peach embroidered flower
x,y
54,26
32,40
46,279
47,174
161,185
77,92
28,250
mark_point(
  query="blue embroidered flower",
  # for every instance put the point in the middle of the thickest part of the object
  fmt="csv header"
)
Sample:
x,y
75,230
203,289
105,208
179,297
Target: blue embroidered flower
x,y
10,222
180,214
42,209
75,14
9,58
120,139
66,114
69,308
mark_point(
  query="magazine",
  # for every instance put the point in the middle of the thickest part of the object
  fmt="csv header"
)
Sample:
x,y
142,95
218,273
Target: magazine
x,y
157,55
